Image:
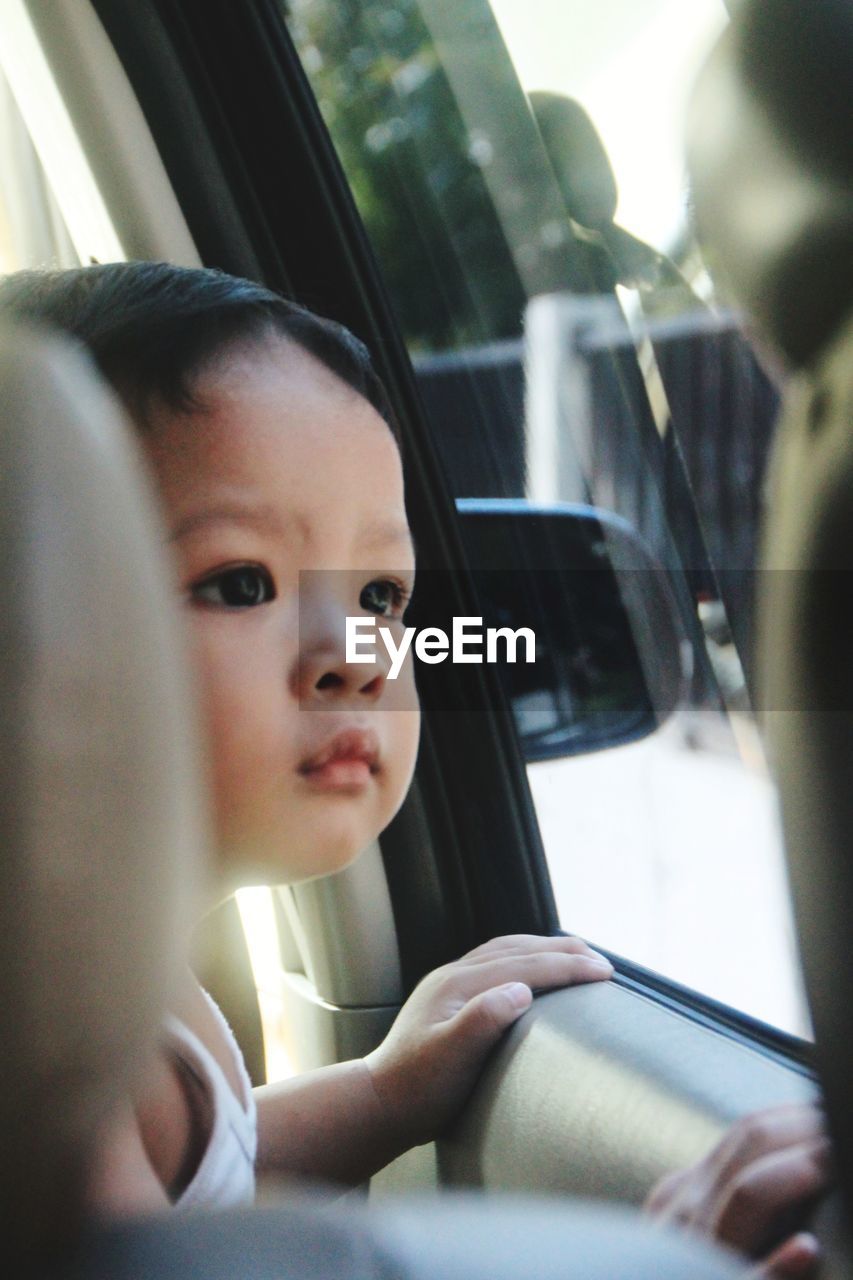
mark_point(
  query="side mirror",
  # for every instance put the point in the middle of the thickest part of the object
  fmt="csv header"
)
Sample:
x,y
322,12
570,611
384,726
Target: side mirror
x,y
609,663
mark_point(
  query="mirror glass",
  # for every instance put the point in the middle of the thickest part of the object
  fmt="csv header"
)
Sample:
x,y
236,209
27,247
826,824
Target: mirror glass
x,y
608,666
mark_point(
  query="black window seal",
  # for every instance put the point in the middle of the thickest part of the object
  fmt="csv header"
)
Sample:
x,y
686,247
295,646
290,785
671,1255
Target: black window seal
x,y
783,1047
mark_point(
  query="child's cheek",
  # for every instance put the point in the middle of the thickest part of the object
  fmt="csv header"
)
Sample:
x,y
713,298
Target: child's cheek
x,y
241,715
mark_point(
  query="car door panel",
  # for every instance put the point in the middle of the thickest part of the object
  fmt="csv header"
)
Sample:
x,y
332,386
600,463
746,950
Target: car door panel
x,y
601,1090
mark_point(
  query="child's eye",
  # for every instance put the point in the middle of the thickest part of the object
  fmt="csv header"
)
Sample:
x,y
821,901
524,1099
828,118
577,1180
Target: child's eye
x,y
243,586
385,597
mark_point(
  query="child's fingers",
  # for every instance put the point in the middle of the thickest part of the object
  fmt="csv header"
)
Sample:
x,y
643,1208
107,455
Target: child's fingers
x,y
796,1259
488,1014
768,1187
526,943
775,1129
541,972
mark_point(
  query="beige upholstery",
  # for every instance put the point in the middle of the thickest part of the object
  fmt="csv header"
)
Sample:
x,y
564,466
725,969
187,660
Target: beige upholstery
x,y
772,164
806,587
99,803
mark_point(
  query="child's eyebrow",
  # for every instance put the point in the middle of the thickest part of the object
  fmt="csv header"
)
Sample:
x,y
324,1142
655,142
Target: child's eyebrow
x,y
269,520
260,517
385,532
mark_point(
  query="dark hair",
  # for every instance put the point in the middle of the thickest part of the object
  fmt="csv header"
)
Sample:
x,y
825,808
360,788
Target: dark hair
x,y
152,327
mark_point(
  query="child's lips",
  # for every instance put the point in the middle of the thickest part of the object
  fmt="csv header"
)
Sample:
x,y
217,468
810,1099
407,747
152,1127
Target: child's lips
x,y
346,761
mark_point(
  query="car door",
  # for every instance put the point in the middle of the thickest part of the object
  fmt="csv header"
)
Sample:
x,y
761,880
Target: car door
x,y
392,166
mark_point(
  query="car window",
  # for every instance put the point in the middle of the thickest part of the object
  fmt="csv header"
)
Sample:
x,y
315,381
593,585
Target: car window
x,y
519,173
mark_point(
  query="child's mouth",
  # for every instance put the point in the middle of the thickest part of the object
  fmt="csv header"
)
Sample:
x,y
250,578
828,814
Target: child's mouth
x,y
347,761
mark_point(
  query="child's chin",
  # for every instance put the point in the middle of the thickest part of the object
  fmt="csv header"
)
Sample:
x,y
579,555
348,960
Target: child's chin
x,y
335,856
297,851
297,865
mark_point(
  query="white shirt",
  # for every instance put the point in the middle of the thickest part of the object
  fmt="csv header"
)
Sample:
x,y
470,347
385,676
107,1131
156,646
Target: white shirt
x,y
226,1174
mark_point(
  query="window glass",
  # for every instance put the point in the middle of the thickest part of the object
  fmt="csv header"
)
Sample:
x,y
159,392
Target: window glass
x,y
519,171
631,67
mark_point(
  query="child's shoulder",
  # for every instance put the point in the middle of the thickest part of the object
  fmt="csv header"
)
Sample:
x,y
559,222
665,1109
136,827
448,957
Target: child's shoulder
x,y
199,1030
221,1158
197,1114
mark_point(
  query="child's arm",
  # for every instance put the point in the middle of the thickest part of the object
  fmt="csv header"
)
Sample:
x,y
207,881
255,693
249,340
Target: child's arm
x,y
344,1122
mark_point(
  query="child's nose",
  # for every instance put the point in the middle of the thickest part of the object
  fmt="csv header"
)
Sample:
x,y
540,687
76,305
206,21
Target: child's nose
x,y
324,675
321,671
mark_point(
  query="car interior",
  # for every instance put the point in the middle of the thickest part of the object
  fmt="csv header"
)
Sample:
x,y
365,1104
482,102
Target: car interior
x,y
206,134
95,697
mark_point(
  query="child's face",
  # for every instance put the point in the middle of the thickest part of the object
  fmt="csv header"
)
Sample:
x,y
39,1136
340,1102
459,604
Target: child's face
x,y
287,469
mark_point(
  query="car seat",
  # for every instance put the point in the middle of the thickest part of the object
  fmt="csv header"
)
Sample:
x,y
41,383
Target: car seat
x,y
98,798
102,823
772,167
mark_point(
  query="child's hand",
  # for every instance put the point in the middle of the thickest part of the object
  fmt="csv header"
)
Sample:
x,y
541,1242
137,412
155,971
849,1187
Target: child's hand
x,y
768,1170
427,1065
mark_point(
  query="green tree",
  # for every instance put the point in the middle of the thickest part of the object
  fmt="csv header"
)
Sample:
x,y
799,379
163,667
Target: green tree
x,y
416,172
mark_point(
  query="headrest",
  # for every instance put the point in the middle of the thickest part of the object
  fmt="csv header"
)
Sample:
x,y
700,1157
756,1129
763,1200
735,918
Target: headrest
x,y
577,157
100,810
772,165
